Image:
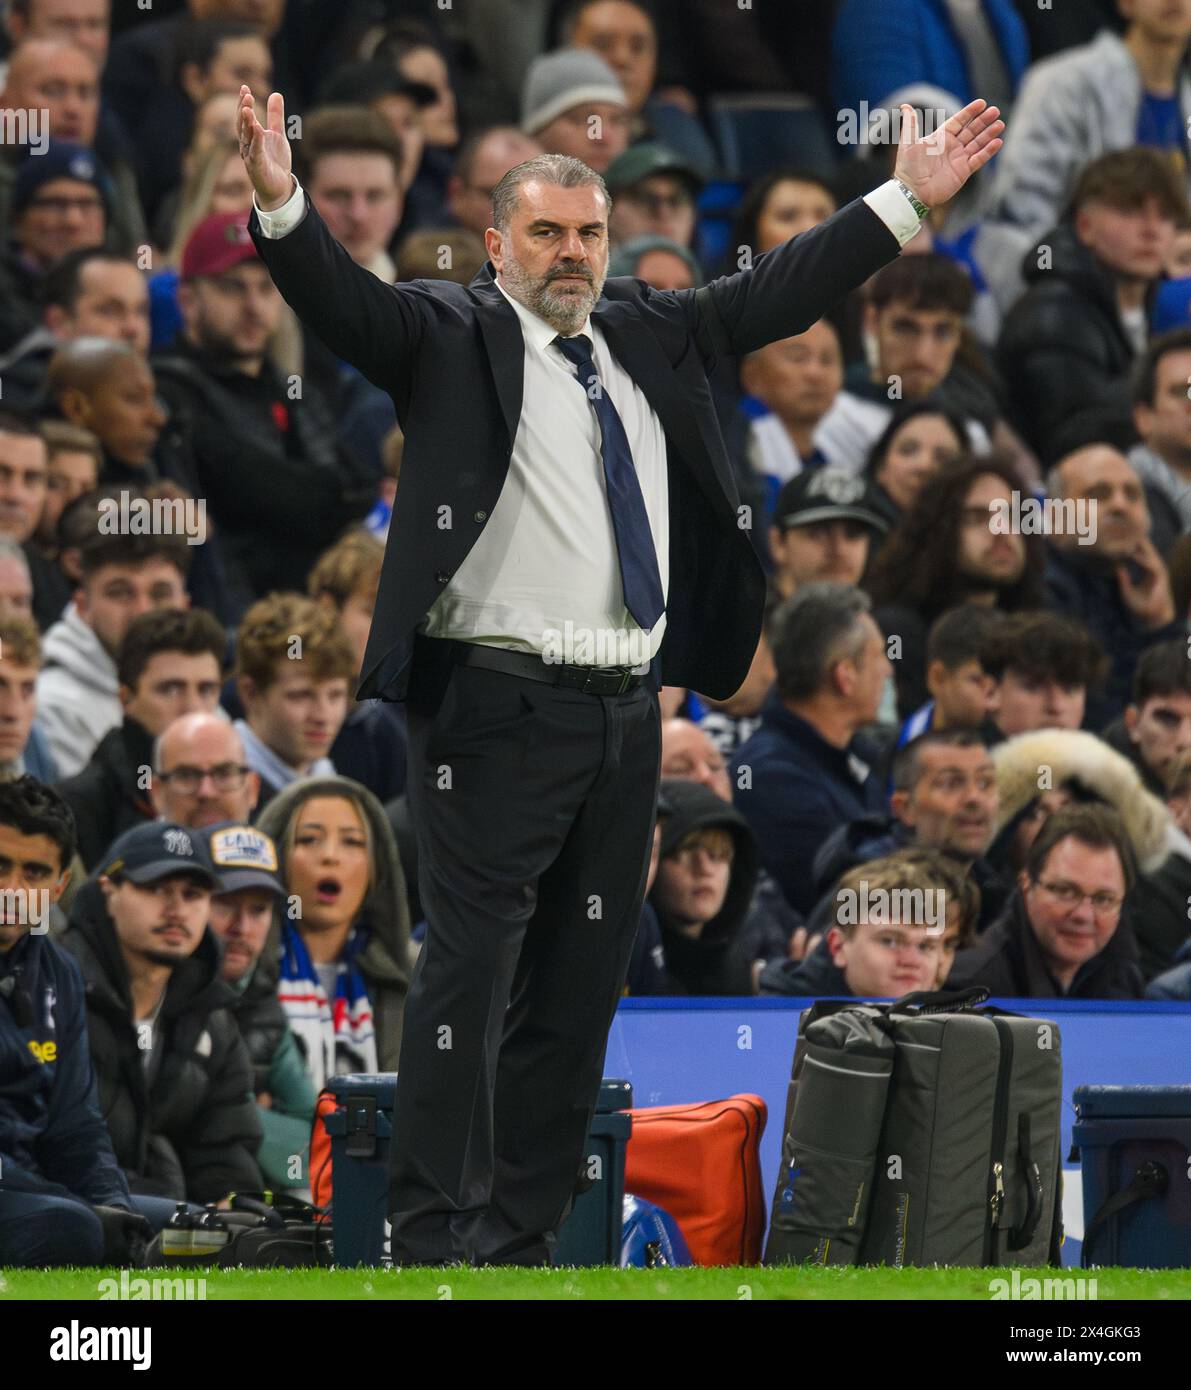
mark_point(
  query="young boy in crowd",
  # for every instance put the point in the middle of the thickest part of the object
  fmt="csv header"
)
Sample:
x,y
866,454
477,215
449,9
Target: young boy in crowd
x,y
371,746
960,688
294,669
1042,666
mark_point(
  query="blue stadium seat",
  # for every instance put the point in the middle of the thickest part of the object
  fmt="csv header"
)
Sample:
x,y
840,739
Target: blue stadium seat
x,y
717,206
757,133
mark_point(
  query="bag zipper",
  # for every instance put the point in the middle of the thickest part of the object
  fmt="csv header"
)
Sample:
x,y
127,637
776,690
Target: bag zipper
x,y
1000,1128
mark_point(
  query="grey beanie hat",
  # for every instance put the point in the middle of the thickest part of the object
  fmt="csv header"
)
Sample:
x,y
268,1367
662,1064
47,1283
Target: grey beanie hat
x,y
625,259
565,78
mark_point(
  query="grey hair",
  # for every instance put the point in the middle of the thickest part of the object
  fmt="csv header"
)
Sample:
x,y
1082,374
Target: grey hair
x,y
809,632
562,170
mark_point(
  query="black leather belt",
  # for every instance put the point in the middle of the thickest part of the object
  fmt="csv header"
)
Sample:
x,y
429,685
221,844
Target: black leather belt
x,y
591,680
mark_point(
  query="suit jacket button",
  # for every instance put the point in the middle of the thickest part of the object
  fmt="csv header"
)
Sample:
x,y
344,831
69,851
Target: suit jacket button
x,y
480,516
442,576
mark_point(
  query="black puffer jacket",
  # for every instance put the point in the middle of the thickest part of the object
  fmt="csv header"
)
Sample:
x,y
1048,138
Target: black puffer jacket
x,y
261,1018
107,796
195,1135
1063,351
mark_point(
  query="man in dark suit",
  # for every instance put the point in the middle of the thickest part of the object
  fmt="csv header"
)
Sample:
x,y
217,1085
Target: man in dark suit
x,y
559,548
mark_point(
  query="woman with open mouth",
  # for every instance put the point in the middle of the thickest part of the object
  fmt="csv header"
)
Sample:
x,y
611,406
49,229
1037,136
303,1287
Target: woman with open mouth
x,y
344,929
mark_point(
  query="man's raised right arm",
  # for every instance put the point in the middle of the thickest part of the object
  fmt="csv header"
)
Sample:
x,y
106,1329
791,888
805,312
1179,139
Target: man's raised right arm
x,y
374,326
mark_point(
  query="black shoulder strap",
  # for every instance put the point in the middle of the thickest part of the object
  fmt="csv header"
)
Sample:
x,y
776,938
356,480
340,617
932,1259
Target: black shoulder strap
x,y
1150,1180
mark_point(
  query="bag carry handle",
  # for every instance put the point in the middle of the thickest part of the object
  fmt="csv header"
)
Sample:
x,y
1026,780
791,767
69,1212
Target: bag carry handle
x,y
1020,1236
1150,1180
940,1001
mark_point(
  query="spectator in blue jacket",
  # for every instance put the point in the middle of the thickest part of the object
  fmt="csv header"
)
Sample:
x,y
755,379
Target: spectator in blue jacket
x,y
63,1197
803,772
968,47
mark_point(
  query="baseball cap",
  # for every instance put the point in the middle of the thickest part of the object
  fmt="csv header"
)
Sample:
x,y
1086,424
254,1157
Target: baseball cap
x,y
649,157
156,850
218,243
243,857
629,254
828,494
566,78
62,160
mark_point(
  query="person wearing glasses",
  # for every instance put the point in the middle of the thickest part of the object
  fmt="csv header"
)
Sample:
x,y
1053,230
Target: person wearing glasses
x,y
169,665
654,191
61,201
200,774
1063,935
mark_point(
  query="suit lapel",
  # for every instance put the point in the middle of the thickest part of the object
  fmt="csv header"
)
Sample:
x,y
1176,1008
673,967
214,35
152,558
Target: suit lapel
x,y
641,355
637,351
505,347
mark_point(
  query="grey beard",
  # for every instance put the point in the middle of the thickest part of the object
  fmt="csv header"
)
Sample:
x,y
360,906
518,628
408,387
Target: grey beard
x,y
565,315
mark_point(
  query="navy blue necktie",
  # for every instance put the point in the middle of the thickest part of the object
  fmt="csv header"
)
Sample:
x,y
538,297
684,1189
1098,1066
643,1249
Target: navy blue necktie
x,y
639,575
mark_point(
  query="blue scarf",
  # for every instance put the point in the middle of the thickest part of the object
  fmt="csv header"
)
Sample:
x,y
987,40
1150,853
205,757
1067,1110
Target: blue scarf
x,y
337,1036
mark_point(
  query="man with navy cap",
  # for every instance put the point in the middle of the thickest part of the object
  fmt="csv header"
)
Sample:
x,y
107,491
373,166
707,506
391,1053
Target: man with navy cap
x,y
242,910
173,1072
61,201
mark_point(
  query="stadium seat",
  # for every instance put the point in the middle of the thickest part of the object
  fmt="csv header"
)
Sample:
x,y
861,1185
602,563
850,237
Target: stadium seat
x,y
758,133
717,206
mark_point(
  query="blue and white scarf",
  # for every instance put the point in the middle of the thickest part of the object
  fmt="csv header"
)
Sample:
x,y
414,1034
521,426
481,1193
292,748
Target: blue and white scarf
x,y
337,1036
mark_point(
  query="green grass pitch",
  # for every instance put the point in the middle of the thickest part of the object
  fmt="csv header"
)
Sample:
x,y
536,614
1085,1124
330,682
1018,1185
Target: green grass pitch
x,y
576,1285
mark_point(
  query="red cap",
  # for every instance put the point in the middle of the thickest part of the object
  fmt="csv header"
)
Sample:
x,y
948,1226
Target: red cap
x,y
218,243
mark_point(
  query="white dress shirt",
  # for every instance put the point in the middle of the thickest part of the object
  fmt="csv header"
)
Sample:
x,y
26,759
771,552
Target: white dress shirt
x,y
543,575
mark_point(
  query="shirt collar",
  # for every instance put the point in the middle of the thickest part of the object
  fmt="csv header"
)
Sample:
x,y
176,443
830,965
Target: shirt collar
x,y
538,333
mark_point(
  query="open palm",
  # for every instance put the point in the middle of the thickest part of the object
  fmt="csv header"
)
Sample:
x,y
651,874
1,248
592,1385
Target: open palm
x,y
264,149
937,166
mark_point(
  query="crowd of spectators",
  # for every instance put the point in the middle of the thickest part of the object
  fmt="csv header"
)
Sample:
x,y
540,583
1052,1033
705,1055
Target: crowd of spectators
x,y
962,754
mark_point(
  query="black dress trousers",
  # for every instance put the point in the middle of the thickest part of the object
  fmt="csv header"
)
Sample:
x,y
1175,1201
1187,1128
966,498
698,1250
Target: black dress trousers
x,y
533,807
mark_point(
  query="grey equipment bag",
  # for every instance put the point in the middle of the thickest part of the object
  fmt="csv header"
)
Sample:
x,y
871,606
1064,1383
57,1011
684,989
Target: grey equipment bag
x,y
923,1132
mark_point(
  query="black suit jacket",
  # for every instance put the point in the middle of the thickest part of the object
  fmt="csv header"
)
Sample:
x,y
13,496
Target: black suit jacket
x,y
451,358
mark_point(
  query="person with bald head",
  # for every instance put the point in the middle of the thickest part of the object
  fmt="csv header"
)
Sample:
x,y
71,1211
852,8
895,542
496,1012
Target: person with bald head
x,y
1111,577
200,774
688,754
61,78
109,388
483,160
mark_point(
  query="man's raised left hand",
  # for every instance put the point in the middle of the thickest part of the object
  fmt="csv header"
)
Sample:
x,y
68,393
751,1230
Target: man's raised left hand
x,y
937,166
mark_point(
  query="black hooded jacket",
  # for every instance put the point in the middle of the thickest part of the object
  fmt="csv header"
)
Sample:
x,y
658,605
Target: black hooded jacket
x,y
195,1133
1008,961
714,962
1063,350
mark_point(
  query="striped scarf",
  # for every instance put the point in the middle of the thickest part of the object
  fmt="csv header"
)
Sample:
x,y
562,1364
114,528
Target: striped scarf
x,y
337,1037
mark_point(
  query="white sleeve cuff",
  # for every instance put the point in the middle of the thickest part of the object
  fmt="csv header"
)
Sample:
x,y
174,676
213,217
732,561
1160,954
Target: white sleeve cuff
x,y
284,219
893,208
